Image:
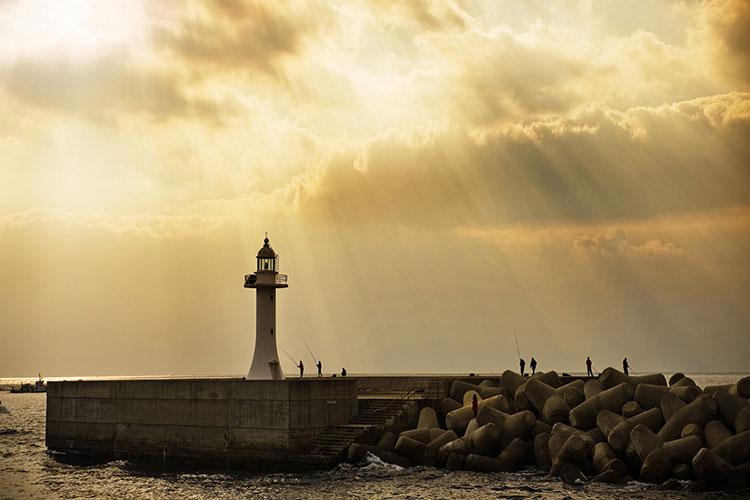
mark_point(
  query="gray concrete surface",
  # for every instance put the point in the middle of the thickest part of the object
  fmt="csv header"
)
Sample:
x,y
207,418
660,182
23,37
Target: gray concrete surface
x,y
224,419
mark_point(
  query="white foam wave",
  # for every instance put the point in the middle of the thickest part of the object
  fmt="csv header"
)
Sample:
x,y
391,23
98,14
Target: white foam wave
x,y
374,463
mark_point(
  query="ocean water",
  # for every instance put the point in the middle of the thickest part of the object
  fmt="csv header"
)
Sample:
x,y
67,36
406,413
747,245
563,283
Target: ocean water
x,y
27,471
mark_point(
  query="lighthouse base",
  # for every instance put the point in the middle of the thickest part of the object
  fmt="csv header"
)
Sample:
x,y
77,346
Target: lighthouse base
x,y
272,371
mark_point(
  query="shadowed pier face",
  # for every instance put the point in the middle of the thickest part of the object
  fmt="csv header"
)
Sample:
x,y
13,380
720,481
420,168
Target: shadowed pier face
x,y
211,419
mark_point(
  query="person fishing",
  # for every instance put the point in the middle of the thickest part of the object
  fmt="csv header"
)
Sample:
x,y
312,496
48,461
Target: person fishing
x,y
319,364
533,365
474,404
301,367
625,366
589,372
522,363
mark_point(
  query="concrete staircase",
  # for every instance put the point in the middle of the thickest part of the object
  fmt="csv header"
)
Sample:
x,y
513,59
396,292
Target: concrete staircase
x,y
331,445
378,412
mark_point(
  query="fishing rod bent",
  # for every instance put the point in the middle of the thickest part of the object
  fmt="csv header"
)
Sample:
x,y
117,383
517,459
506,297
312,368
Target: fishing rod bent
x,y
289,356
315,358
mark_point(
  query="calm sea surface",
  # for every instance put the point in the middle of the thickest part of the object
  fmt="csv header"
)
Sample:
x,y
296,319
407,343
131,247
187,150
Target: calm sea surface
x,y
26,471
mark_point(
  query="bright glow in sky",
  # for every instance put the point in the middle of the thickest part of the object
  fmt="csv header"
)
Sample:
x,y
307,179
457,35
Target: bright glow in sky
x,y
433,173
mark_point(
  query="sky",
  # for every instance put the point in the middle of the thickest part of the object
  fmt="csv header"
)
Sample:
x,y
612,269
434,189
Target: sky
x,y
434,175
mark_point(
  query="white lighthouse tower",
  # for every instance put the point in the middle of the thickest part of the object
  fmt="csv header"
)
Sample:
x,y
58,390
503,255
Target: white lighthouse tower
x,y
266,279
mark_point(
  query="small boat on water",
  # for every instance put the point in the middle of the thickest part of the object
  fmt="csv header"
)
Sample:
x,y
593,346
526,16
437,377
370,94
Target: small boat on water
x,y
38,386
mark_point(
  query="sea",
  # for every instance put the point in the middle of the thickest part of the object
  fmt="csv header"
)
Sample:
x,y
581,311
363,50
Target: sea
x,y
28,471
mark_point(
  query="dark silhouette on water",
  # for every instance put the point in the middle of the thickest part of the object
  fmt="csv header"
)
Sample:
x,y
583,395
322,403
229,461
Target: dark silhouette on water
x,y
533,365
625,366
301,367
523,366
589,372
343,372
320,368
474,404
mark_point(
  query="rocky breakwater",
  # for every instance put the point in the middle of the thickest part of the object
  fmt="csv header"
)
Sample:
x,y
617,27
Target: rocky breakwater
x,y
613,429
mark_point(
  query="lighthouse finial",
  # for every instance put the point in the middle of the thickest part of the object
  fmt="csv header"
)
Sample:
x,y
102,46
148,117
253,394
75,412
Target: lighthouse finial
x,y
265,241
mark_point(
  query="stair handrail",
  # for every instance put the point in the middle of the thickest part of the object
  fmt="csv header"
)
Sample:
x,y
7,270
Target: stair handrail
x,y
413,389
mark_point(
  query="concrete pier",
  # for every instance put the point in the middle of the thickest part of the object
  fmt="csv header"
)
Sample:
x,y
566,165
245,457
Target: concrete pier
x,y
247,422
244,423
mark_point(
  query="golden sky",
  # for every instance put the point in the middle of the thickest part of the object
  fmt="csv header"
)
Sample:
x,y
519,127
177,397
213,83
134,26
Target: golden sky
x,y
433,174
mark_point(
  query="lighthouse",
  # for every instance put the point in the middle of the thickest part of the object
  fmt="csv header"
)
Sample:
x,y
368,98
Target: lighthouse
x,y
266,279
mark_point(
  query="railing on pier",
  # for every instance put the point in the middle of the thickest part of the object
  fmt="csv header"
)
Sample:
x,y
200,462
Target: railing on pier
x,y
407,395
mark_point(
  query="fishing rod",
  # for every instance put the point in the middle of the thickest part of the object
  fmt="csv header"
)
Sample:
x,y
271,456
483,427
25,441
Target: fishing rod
x,y
516,337
315,358
289,356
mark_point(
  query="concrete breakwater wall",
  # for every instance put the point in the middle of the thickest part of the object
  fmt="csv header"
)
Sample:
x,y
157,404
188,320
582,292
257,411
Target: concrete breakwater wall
x,y
219,419
206,419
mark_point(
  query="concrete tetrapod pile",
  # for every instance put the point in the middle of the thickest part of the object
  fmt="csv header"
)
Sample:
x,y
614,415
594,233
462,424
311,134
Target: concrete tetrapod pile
x,y
612,429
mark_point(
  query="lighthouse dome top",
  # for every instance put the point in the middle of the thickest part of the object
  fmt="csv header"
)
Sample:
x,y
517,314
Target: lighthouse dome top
x,y
266,250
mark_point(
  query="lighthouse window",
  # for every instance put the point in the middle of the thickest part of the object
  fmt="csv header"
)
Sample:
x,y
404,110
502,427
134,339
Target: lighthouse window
x,y
271,331
272,298
265,264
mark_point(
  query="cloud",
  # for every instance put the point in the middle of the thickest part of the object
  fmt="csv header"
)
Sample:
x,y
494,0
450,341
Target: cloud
x,y
428,14
244,36
104,89
728,28
582,244
134,226
613,244
502,75
595,164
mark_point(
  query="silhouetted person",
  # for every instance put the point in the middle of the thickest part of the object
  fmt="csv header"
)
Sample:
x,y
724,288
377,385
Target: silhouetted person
x,y
343,372
474,404
301,367
533,365
625,365
589,372
320,368
523,366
